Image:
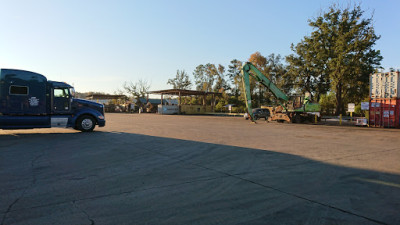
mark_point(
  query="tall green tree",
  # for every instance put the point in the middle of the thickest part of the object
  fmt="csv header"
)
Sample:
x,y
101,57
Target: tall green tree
x,y
278,73
340,49
220,85
200,78
235,77
206,75
181,80
306,73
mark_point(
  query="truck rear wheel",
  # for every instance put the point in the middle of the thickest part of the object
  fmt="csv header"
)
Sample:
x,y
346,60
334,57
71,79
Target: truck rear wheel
x,y
86,123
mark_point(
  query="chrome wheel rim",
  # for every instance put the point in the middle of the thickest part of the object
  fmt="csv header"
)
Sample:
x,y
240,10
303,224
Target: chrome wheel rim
x,y
87,124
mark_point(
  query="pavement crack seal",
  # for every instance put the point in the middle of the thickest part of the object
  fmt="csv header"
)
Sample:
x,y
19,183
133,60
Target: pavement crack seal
x,y
151,188
33,182
279,190
314,161
116,194
312,201
84,212
10,207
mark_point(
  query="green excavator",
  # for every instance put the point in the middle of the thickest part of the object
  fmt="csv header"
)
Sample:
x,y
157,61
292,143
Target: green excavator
x,y
295,110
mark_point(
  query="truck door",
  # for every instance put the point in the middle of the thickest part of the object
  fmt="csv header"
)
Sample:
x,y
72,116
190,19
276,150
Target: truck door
x,y
61,100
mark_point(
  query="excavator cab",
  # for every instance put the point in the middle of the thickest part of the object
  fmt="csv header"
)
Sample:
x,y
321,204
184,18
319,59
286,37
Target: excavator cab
x,y
296,102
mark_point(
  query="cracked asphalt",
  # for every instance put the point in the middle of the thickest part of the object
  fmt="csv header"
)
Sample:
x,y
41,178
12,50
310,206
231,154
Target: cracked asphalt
x,y
153,169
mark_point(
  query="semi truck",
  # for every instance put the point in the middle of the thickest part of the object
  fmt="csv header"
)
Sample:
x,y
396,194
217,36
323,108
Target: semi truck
x,y
28,100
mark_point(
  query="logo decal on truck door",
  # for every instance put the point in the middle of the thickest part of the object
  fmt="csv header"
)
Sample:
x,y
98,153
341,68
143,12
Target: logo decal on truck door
x,y
33,101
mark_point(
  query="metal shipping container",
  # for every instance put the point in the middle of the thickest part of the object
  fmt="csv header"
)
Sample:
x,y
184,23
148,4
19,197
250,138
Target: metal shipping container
x,y
384,85
384,112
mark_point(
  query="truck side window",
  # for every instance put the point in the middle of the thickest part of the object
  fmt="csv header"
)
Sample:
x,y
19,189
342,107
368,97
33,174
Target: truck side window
x,y
72,92
18,90
61,92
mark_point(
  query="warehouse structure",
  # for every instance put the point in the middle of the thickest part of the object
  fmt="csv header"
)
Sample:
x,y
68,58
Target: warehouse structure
x,y
105,98
185,109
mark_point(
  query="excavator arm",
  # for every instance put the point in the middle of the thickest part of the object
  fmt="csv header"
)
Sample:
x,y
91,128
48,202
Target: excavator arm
x,y
262,79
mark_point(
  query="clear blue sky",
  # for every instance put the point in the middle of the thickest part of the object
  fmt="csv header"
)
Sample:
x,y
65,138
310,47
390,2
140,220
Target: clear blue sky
x,y
97,45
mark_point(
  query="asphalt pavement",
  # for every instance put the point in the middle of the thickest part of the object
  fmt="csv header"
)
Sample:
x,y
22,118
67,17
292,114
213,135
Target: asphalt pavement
x,y
153,169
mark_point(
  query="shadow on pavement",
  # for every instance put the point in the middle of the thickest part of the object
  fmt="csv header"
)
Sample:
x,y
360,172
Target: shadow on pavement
x,y
124,178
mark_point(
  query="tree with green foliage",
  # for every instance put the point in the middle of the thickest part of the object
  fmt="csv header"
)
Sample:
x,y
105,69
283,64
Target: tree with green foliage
x,y
327,102
220,106
211,73
181,80
202,81
306,73
277,73
209,77
275,68
339,53
220,85
235,77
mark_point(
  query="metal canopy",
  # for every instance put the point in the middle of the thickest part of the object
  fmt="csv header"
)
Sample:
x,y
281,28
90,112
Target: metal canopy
x,y
105,96
182,92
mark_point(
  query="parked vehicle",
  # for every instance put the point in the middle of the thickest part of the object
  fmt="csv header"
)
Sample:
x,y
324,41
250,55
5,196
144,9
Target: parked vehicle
x,y
259,113
29,100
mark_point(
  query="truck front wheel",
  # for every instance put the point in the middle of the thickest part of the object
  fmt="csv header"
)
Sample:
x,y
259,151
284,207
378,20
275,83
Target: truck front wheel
x,y
86,123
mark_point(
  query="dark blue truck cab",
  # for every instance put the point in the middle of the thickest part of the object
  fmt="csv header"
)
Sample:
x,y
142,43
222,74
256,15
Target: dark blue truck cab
x,y
29,100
